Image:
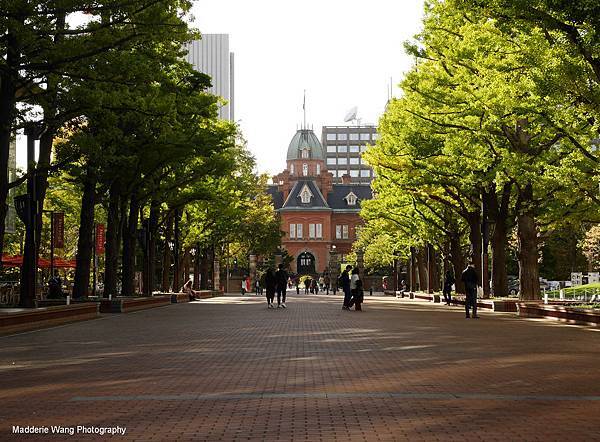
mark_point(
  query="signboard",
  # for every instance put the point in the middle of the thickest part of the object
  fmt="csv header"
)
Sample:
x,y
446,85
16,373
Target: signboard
x,y
100,239
58,222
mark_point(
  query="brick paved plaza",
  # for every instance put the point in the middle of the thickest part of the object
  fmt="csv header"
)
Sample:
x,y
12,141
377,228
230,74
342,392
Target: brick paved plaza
x,y
229,369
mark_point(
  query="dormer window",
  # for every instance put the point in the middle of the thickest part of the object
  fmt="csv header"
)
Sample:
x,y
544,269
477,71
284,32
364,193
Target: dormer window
x,y
305,195
305,169
292,169
305,153
351,199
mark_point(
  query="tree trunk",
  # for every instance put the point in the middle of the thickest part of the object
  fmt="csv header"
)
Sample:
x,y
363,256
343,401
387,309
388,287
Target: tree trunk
x,y
422,268
474,221
7,116
499,212
166,261
430,256
413,269
458,262
153,231
111,257
529,283
129,246
85,241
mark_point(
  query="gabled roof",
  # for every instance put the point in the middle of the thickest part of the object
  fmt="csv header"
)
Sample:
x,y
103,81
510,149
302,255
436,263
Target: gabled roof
x,y
294,201
336,198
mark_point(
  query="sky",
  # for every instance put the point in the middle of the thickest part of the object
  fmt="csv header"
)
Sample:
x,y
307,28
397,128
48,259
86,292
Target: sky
x,y
344,53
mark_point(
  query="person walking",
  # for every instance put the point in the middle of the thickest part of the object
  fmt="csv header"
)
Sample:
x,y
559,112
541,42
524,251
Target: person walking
x,y
297,283
326,283
356,290
270,286
345,283
448,282
306,285
243,286
314,287
471,279
281,279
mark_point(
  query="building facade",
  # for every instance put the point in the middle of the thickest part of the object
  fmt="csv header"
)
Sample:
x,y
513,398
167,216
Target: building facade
x,y
317,215
211,56
343,147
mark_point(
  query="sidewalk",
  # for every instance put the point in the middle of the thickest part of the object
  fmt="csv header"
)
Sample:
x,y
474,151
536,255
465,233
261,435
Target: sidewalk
x,y
228,368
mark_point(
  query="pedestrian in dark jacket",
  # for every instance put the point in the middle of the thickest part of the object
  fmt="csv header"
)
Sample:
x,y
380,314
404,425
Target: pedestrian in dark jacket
x,y
306,286
345,282
281,279
356,289
448,283
471,280
270,286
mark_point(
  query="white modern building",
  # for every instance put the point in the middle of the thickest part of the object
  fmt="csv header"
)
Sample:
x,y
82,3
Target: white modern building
x,y
211,56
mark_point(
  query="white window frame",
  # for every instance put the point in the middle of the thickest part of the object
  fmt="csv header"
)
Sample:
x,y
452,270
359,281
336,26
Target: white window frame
x,y
299,231
319,230
318,169
351,199
365,136
292,231
292,169
305,153
338,232
311,231
305,169
330,137
345,230
354,136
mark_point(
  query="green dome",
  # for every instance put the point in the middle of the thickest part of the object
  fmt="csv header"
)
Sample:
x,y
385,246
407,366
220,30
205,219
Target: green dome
x,y
305,138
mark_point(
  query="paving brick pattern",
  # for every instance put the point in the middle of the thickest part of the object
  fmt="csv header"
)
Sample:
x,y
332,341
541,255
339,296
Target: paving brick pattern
x,y
230,369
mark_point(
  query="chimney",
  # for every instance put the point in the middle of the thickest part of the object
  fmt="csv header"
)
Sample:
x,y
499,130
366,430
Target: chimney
x,y
346,179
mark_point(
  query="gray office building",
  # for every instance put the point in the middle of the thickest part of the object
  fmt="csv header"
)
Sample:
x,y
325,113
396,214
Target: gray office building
x,y
344,146
211,56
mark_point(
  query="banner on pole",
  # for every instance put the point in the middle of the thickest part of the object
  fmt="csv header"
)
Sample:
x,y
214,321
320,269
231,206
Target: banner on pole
x,y
59,229
100,239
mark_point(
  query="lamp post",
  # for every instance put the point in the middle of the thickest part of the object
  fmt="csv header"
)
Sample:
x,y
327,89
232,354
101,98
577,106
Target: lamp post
x,y
333,268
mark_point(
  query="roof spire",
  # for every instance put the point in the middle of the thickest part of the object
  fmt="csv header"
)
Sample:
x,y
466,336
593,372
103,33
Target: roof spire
x,y
304,109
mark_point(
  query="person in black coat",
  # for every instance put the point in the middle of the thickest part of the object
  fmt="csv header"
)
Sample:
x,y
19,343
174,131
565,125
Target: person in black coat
x,y
270,286
448,282
281,279
471,280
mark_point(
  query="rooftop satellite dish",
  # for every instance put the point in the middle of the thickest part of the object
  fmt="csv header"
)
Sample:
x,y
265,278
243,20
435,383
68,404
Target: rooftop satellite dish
x,y
351,115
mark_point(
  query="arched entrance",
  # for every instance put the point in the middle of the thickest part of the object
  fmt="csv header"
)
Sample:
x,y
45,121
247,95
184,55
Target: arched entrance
x,y
305,263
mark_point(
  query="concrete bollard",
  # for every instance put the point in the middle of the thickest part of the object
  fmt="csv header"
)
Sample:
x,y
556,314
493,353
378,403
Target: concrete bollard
x,y
68,299
561,294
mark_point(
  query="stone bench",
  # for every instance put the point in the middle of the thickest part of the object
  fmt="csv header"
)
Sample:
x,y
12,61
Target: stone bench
x,y
133,303
558,312
496,305
19,320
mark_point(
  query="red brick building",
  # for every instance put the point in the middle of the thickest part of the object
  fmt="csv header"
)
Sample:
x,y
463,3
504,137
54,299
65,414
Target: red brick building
x,y
316,214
